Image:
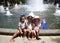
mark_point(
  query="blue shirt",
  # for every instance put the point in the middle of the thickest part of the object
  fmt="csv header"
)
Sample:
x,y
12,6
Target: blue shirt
x,y
43,25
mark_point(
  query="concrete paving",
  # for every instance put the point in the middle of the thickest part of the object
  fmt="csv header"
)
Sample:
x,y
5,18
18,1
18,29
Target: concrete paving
x,y
44,39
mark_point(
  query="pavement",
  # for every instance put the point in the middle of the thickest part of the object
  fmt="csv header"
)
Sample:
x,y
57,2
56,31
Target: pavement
x,y
44,39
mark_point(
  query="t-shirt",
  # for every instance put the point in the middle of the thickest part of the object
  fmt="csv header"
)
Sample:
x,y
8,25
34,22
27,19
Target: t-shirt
x,y
36,28
29,26
22,25
44,25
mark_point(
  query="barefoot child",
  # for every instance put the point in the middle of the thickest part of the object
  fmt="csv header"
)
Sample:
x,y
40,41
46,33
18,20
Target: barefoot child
x,y
21,27
36,26
29,28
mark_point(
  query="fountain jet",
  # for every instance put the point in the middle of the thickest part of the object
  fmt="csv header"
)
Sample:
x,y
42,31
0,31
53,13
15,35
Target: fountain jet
x,y
8,12
36,5
2,10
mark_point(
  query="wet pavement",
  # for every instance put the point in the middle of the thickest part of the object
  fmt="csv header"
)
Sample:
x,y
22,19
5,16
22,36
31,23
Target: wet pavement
x,y
44,39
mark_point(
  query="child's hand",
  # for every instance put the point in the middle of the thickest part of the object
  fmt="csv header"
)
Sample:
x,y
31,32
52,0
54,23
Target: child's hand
x,y
21,32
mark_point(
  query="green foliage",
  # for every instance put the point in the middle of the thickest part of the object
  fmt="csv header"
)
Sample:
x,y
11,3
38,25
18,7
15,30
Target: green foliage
x,y
12,1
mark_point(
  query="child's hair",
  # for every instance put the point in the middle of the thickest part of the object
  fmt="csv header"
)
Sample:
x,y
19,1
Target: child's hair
x,y
30,18
21,18
33,21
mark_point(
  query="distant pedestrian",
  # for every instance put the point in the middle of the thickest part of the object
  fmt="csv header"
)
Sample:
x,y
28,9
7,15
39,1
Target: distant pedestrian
x,y
43,24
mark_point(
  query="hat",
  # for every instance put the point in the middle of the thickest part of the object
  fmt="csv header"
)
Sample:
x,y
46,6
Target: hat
x,y
36,17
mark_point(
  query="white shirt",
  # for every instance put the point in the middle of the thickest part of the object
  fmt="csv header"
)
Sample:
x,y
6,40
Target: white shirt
x,y
29,26
22,25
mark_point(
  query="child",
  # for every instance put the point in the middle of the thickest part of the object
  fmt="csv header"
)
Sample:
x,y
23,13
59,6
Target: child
x,y
35,27
21,27
29,28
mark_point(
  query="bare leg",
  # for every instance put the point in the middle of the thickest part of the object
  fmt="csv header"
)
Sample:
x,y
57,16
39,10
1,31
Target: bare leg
x,y
15,34
37,36
29,32
24,34
33,34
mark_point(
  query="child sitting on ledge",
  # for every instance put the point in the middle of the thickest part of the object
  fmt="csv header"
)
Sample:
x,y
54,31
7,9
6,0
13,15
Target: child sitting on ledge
x,y
35,27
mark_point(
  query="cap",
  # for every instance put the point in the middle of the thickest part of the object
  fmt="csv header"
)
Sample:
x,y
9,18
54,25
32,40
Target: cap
x,y
22,14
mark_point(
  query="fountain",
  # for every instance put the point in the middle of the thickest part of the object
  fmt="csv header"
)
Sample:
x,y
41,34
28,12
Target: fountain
x,y
57,5
8,12
2,10
33,8
20,3
7,8
32,5
31,14
57,12
16,7
36,5
8,3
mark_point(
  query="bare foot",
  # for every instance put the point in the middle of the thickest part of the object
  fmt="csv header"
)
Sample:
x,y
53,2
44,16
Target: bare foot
x,y
32,39
24,38
29,38
11,40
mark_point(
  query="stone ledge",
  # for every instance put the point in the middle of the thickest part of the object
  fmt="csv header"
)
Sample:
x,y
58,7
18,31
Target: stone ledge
x,y
47,31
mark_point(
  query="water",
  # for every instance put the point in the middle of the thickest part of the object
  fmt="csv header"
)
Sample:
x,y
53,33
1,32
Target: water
x,y
16,7
31,14
57,5
8,3
36,5
32,5
57,12
8,12
2,10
